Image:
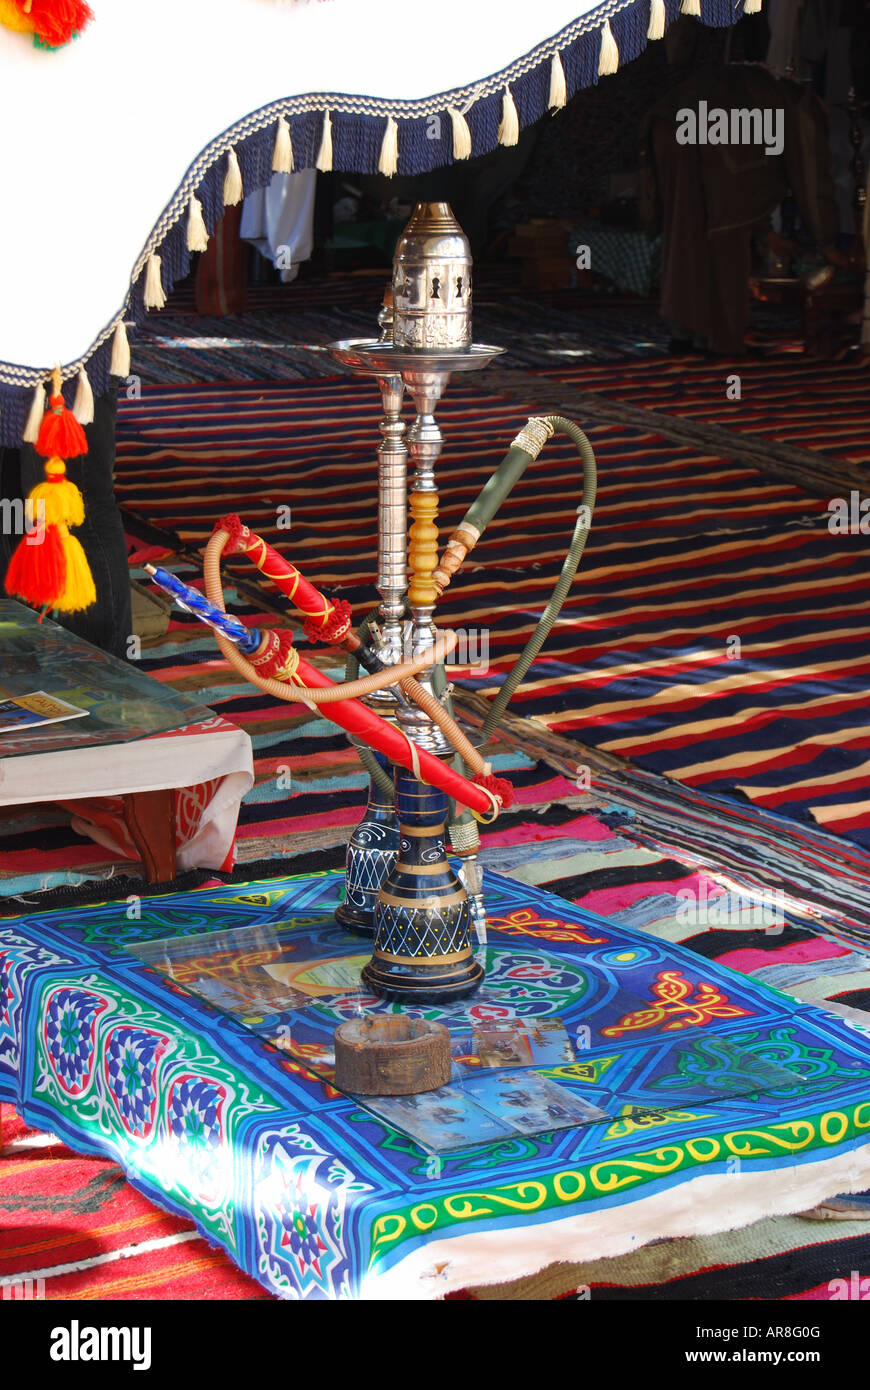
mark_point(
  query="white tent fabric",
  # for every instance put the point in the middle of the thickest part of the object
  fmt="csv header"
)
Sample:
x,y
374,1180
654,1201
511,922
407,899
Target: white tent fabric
x,y
106,141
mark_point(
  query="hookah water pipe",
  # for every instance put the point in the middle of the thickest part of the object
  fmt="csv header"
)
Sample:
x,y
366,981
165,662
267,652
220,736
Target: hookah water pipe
x,y
421,913
431,338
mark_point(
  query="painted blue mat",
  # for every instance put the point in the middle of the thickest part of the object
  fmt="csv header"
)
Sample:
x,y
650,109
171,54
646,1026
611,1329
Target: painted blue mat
x,y
718,1099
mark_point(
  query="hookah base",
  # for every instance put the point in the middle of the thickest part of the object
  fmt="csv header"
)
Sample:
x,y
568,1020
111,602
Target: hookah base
x,y
413,981
355,920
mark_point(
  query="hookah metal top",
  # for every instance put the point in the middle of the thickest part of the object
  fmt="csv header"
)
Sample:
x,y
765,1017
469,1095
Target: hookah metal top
x,y
432,283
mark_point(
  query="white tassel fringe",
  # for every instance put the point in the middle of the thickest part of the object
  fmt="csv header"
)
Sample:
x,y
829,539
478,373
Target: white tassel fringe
x,y
509,130
197,235
558,89
154,296
120,363
608,59
752,7
657,20
691,7
233,190
34,419
389,160
83,406
461,134
324,154
282,155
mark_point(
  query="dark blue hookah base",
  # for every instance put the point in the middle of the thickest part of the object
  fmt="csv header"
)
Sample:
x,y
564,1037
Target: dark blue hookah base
x,y
371,853
423,926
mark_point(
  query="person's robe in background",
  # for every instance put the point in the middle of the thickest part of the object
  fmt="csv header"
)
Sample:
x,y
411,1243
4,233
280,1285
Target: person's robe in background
x,y
708,198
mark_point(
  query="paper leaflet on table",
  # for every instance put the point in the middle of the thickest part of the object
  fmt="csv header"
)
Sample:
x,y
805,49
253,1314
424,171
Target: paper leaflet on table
x,y
20,712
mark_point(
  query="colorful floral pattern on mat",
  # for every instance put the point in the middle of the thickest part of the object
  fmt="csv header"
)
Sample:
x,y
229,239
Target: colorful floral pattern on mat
x,y
658,1018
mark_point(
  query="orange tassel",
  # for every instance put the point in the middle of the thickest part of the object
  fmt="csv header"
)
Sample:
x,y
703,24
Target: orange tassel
x,y
60,434
37,573
56,22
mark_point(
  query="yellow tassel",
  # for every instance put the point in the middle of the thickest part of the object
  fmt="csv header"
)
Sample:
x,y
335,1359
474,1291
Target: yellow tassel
x,y
197,234
120,363
83,406
691,7
282,155
389,160
324,154
509,130
608,61
657,20
461,134
233,189
12,17
78,591
154,296
558,87
34,419
62,502
752,7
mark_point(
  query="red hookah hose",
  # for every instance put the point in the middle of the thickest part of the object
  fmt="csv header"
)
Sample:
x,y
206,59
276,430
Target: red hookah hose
x,y
350,714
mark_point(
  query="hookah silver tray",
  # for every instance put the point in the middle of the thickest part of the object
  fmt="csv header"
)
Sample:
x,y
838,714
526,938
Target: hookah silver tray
x,y
384,359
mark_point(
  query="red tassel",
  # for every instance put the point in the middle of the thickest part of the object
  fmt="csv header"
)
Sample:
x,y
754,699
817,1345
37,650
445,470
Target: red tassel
x,y
238,532
37,573
57,21
277,653
499,786
336,627
60,434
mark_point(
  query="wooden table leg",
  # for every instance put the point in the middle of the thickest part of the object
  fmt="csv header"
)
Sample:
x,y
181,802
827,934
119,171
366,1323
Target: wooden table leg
x,y
150,819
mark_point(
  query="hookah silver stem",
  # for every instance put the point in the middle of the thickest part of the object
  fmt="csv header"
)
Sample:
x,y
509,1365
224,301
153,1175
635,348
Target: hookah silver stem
x,y
392,575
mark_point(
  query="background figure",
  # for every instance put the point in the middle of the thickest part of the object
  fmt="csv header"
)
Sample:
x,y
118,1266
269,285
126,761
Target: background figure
x,y
709,199
279,220
107,623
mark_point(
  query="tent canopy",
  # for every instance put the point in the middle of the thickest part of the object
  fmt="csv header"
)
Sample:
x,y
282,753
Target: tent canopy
x,y
156,105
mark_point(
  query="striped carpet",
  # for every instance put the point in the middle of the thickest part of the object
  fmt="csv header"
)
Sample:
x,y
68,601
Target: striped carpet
x,y
797,400
716,632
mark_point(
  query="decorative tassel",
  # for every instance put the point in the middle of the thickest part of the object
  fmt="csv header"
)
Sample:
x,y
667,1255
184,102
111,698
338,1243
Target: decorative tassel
x,y
657,20
34,419
324,154
499,786
389,160
51,569
83,406
54,573
60,434
282,155
120,363
233,189
608,60
509,130
37,573
461,134
691,7
558,88
78,591
154,295
752,7
197,234
55,22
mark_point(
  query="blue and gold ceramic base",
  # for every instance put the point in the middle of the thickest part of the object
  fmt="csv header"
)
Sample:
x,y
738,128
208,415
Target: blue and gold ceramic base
x,y
371,853
422,949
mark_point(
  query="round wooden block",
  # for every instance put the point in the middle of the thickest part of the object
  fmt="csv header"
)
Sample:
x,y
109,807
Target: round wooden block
x,y
390,1055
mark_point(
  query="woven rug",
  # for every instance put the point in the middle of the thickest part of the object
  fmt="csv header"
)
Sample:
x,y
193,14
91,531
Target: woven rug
x,y
716,631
